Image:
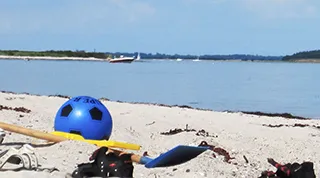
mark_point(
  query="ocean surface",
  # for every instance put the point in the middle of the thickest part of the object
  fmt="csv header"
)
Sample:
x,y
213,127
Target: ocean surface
x,y
273,87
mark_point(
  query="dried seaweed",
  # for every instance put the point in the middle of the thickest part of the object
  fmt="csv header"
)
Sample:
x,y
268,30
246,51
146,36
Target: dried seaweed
x,y
60,96
201,132
17,109
204,133
177,130
287,125
284,115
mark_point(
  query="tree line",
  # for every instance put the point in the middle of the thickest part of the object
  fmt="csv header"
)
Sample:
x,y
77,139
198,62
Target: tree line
x,y
315,54
53,53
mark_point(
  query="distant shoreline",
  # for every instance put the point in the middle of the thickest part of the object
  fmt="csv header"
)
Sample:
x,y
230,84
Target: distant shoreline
x,y
54,58
51,58
303,60
27,58
68,55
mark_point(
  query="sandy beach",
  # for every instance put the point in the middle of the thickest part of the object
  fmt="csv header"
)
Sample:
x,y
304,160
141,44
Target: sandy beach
x,y
50,58
239,134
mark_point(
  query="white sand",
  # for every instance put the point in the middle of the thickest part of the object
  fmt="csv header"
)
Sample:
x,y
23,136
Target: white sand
x,y
51,58
239,134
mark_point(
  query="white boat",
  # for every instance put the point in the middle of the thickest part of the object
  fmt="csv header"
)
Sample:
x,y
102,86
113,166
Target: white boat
x,y
196,59
138,57
179,59
122,59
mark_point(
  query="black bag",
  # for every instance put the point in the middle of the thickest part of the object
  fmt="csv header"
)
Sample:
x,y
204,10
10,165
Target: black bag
x,y
295,170
105,165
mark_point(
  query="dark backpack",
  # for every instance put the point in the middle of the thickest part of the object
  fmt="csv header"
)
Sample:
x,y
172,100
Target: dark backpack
x,y
105,165
295,170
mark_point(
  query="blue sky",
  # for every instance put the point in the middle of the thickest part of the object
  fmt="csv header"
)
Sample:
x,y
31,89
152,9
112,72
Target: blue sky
x,y
265,27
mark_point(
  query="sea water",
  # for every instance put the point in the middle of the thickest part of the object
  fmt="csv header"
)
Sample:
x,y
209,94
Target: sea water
x,y
274,87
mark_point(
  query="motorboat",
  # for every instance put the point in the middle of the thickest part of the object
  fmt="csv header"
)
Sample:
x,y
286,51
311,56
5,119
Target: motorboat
x,y
122,59
198,59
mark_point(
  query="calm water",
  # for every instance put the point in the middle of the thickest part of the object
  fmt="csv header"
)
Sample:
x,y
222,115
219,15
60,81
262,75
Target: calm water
x,y
237,86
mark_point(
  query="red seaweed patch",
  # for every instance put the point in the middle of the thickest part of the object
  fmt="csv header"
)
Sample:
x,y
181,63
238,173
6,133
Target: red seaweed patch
x,y
219,151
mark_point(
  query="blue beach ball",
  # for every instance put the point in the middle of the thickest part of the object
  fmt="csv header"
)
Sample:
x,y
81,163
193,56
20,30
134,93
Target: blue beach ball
x,y
85,116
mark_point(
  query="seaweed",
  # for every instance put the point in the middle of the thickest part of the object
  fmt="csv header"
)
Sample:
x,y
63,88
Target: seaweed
x,y
60,96
200,132
294,125
17,109
219,151
284,115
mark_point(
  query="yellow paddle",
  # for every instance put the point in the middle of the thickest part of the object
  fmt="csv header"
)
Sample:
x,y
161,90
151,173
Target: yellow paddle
x,y
60,136
56,138
100,143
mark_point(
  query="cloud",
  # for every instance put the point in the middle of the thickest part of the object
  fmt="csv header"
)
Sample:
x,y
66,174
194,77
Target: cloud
x,y
282,9
72,16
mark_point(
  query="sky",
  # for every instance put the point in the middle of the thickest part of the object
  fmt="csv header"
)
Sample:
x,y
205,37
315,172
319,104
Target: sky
x,y
198,27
